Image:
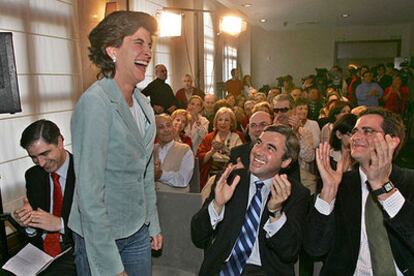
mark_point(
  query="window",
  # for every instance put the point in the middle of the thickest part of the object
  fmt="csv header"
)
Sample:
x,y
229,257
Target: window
x,y
230,61
208,54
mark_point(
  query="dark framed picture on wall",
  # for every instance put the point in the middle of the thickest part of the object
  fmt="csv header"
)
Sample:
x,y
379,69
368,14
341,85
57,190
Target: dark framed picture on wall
x,y
9,87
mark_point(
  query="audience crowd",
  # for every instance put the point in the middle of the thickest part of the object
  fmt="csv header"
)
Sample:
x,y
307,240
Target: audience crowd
x,y
333,131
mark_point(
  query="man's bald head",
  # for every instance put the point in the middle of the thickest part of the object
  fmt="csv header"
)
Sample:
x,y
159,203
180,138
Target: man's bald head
x,y
257,122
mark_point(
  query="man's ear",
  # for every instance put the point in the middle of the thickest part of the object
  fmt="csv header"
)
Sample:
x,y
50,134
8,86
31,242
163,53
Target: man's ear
x,y
286,163
395,142
60,142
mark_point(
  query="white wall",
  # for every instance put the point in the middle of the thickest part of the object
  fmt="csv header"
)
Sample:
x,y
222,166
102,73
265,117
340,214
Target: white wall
x,y
46,46
298,52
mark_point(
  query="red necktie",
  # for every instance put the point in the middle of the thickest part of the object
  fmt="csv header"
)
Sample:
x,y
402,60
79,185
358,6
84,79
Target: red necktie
x,y
51,244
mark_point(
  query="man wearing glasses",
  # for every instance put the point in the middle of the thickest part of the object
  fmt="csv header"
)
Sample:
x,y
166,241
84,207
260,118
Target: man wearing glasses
x,y
257,123
362,220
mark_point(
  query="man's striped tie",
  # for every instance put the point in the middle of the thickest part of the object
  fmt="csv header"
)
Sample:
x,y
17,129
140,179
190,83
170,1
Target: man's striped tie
x,y
247,236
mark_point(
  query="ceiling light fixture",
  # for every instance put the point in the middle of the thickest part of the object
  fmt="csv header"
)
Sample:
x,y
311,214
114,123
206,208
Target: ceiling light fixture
x,y
170,24
247,5
232,25
263,20
345,15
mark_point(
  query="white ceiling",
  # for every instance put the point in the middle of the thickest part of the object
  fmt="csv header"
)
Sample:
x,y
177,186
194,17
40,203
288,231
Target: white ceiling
x,y
301,14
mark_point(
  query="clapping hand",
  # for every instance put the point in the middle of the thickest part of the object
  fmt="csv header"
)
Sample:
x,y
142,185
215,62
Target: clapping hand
x,y
280,191
223,191
382,149
331,178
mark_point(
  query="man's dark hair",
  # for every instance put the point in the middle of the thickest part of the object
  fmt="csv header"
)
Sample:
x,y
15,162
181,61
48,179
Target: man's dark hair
x,y
41,129
392,124
111,32
292,146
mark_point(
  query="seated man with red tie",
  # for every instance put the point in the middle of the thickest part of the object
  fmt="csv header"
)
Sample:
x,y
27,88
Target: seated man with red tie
x,y
49,189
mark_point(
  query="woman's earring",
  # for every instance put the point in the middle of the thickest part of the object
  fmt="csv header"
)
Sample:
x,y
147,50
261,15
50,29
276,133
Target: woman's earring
x,y
114,59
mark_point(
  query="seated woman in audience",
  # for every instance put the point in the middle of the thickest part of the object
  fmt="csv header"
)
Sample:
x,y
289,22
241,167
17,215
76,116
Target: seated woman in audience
x,y
340,141
180,119
197,127
263,106
214,152
396,96
248,107
337,111
307,131
301,110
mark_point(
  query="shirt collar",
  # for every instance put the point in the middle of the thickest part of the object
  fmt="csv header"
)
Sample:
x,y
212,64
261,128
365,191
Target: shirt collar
x,y
63,170
167,146
364,179
267,182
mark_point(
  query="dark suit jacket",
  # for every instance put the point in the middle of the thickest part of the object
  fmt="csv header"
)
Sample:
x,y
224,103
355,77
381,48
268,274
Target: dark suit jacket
x,y
38,194
161,94
337,236
278,253
243,151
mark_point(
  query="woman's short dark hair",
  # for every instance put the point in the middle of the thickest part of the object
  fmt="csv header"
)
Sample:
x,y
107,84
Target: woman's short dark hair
x,y
336,109
292,145
111,32
41,129
344,125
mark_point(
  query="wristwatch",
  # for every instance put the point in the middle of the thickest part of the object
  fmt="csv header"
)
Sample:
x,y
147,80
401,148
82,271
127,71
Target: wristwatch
x,y
275,214
387,187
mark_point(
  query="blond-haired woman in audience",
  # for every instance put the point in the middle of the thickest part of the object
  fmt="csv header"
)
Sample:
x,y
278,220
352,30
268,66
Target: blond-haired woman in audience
x,y
197,127
214,151
180,119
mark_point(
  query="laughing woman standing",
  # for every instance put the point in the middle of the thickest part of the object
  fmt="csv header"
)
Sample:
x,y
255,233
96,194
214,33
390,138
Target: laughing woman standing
x,y
114,216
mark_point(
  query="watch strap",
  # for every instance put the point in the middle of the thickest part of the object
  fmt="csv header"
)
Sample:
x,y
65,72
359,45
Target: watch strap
x,y
387,187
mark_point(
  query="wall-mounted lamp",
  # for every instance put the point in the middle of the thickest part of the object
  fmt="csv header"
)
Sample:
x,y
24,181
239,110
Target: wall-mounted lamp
x,y
170,24
232,25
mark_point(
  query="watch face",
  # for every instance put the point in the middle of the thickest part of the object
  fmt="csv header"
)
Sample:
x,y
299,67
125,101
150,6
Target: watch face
x,y
388,186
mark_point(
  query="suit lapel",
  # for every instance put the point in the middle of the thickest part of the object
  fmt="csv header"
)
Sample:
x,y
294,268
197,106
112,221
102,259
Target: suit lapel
x,y
46,181
115,96
144,103
69,188
351,201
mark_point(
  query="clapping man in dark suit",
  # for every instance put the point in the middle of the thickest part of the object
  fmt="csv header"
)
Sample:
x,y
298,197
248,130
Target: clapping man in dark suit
x,y
49,185
363,220
252,222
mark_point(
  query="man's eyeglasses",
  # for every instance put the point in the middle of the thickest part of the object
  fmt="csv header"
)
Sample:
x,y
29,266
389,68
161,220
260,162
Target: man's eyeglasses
x,y
367,131
281,110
